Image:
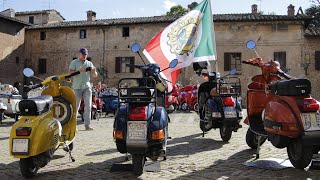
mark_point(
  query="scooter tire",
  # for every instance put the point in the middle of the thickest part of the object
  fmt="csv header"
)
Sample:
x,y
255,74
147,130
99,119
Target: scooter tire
x,y
225,133
138,161
299,155
252,139
184,106
67,109
28,168
205,126
1,115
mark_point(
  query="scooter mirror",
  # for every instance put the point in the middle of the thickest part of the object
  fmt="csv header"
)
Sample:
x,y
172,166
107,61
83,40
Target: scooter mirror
x,y
28,72
251,44
173,63
233,72
135,47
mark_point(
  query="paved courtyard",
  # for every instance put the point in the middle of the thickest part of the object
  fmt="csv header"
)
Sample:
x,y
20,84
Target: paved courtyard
x,y
190,156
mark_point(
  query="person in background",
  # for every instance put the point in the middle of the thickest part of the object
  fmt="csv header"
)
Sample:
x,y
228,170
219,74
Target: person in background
x,y
81,84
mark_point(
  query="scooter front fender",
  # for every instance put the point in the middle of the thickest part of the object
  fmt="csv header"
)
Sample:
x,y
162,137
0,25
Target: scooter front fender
x,y
282,118
44,134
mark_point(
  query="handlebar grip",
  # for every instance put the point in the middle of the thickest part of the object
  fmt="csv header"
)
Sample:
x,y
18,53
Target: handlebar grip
x,y
72,74
36,86
88,69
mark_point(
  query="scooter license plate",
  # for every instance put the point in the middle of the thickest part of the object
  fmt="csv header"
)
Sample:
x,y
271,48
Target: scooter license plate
x,y
230,112
137,130
311,121
20,145
216,114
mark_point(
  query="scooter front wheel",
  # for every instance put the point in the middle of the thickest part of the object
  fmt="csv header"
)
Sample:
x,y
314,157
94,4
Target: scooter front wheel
x,y
28,168
138,161
65,110
252,139
300,155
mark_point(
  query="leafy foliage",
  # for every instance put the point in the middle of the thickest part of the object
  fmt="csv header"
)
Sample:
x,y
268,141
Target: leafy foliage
x,y
176,10
314,11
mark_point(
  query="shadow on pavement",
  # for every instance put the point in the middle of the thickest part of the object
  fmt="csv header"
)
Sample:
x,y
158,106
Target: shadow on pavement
x,y
192,144
4,138
233,168
107,151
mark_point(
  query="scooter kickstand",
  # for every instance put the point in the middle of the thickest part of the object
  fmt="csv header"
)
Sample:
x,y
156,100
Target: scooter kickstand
x,y
66,148
258,148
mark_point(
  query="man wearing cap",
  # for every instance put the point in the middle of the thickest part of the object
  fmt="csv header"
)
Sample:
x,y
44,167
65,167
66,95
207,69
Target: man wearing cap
x,y
81,84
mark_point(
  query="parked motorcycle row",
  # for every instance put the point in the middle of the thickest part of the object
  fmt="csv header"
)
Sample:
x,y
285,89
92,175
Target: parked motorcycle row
x,y
279,110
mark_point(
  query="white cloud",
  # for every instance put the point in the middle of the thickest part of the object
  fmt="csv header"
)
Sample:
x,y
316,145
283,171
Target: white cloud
x,y
167,4
116,12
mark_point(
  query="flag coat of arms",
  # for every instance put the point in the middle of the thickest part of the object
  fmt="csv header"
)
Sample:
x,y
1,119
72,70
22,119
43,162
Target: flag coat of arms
x,y
189,39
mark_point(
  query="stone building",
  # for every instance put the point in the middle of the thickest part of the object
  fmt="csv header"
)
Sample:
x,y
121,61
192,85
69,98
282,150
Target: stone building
x,y
12,37
286,38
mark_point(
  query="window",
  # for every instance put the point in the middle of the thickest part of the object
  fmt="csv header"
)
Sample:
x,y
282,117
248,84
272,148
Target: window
x,y
279,27
232,61
17,60
281,58
42,35
125,32
317,60
121,64
31,19
83,33
42,68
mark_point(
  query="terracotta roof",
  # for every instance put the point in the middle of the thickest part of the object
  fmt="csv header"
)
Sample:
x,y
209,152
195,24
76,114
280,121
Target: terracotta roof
x,y
169,19
14,19
312,31
37,12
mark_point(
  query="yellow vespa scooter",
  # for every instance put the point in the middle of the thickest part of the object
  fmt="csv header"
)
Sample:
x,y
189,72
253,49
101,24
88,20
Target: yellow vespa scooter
x,y
48,122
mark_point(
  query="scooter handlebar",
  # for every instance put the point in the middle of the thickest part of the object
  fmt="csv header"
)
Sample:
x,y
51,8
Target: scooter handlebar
x,y
76,73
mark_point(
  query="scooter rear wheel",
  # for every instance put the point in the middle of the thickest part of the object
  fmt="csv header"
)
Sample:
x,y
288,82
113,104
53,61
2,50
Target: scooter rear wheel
x,y
300,155
138,161
28,168
225,133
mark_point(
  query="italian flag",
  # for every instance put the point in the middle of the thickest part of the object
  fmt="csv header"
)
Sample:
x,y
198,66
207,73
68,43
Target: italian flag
x,y
189,39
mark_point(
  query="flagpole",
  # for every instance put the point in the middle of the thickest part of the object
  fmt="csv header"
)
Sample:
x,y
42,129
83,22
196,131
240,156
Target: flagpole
x,y
214,42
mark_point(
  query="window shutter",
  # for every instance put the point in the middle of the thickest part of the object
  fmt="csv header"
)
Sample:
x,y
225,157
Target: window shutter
x,y
118,64
132,62
317,60
227,62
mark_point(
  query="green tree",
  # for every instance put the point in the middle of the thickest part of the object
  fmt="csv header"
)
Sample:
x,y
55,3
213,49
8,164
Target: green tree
x,y
176,10
314,11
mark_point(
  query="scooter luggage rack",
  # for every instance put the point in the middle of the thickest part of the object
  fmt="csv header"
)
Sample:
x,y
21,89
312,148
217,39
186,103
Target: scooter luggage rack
x,y
226,88
143,92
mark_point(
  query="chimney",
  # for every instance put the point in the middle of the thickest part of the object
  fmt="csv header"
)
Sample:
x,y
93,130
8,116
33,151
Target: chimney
x,y
192,5
91,15
254,9
291,10
9,13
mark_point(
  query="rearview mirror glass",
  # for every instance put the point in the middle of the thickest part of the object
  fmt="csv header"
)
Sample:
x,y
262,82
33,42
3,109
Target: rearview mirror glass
x,y
251,44
135,47
28,72
233,72
173,63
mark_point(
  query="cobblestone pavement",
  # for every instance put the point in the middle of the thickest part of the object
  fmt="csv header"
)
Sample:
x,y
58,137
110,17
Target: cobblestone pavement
x,y
190,156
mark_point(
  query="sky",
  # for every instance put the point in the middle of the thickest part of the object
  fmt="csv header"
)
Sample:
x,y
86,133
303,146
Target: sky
x,y
73,10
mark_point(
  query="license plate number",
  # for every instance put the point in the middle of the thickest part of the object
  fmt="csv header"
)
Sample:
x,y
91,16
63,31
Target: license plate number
x,y
230,112
20,145
311,121
216,114
137,130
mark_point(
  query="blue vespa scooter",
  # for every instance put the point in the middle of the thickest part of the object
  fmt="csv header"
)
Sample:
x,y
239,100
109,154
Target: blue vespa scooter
x,y
141,122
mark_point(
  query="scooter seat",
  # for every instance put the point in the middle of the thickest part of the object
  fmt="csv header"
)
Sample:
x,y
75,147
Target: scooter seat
x,y
35,106
16,96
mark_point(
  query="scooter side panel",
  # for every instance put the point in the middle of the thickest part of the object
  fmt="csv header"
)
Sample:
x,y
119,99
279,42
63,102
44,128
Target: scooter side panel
x,y
280,119
160,119
120,122
44,134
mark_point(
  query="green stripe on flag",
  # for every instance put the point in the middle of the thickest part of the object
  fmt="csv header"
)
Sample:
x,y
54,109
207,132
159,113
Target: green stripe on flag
x,y
206,46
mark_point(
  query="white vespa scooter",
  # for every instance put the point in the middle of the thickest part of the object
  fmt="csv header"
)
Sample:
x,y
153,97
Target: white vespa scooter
x,y
9,102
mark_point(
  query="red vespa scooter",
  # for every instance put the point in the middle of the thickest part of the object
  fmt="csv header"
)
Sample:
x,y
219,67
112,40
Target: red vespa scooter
x,y
172,102
283,112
